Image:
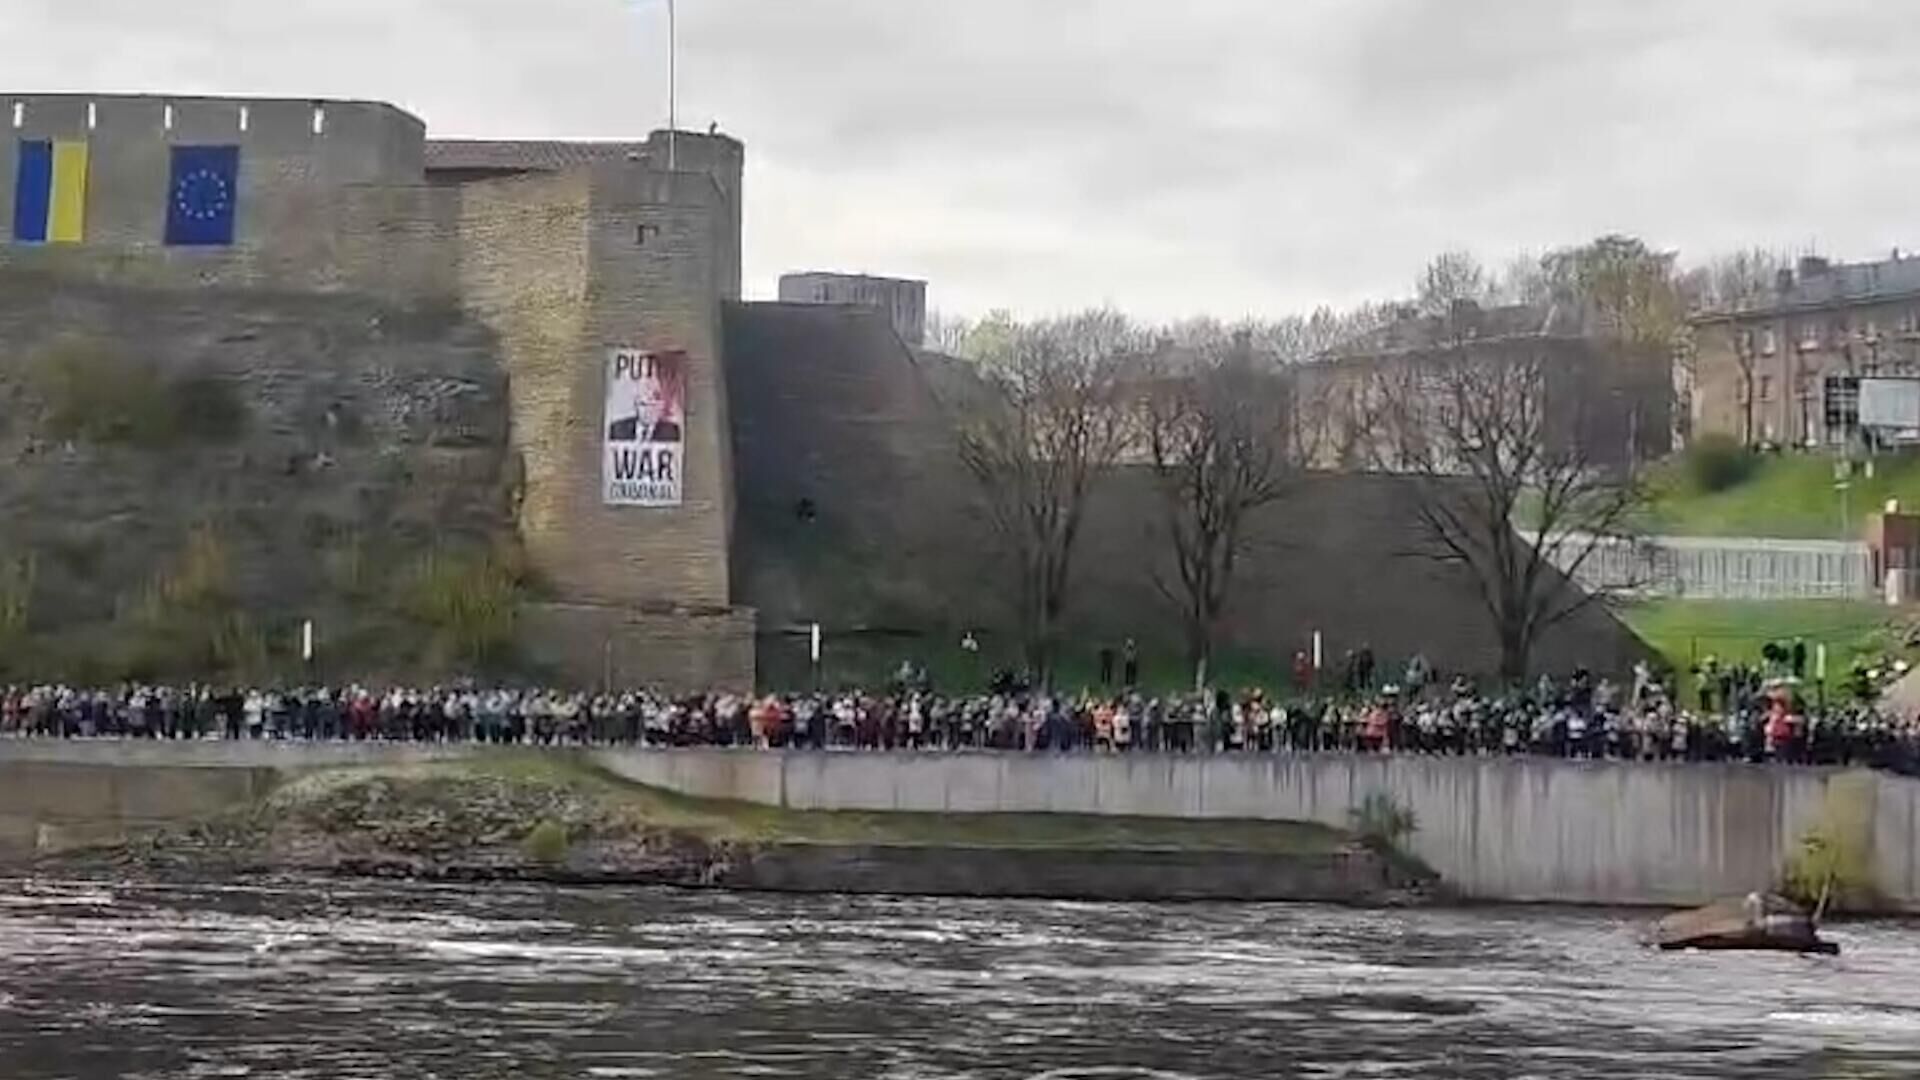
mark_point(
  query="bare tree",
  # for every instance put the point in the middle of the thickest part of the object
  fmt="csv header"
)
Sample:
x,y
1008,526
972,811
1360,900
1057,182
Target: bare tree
x,y
1733,280
1048,426
1523,281
1327,329
1451,277
1745,358
1290,339
1502,483
1218,436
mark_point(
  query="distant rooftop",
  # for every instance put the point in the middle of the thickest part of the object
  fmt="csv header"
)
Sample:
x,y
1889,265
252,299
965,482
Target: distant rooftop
x,y
1816,283
836,275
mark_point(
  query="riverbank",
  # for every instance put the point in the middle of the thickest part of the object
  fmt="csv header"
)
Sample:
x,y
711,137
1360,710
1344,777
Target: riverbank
x,y
1496,829
558,818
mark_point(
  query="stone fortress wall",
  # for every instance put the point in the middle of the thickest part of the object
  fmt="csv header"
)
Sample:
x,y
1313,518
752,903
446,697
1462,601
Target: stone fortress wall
x,y
558,251
562,250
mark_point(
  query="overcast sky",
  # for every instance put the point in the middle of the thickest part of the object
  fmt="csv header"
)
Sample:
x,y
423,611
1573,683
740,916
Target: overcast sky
x,y
1170,157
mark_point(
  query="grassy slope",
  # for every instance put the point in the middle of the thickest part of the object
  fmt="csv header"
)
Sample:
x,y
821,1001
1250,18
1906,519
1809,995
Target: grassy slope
x,y
1788,496
874,661
1683,630
724,820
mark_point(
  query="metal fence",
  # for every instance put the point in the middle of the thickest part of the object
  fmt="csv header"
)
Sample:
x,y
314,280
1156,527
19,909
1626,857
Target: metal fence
x,y
1726,568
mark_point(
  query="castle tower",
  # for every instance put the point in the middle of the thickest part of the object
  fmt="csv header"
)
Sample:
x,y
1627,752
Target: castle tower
x,y
600,269
608,302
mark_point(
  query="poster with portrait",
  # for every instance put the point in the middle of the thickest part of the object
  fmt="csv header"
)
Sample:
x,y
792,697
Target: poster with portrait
x,y
646,427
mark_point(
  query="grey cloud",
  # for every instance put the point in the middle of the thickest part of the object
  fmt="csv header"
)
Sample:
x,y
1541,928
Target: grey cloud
x,y
1225,155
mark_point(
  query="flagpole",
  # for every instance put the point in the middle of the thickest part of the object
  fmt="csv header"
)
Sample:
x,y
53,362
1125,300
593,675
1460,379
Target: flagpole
x,y
673,84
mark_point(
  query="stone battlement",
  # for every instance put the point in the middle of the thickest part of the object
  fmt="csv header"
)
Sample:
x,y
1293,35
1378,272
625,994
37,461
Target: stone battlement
x,y
334,195
566,251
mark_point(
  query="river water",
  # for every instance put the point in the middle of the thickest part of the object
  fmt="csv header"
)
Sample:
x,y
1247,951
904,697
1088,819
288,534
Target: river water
x,y
334,980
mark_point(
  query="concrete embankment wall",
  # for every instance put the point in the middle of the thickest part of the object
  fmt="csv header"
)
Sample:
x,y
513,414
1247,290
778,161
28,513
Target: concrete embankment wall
x,y
60,795
1503,829
1519,829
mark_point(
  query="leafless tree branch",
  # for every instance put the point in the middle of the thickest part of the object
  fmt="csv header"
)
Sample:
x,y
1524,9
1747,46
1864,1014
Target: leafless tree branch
x,y
1049,425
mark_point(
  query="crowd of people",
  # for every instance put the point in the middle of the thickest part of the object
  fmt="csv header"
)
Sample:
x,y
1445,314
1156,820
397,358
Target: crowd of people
x,y
1746,718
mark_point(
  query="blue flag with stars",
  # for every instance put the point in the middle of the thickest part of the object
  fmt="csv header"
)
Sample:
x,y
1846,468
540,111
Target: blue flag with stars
x,y
202,195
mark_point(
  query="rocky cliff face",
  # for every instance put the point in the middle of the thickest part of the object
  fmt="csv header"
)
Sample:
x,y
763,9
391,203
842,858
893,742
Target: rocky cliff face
x,y
209,463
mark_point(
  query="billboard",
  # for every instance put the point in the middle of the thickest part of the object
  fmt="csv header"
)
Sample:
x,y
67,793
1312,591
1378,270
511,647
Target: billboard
x,y
1891,407
644,449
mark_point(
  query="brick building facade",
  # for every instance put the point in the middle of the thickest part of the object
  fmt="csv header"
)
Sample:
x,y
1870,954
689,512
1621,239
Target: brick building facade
x,y
1612,399
1784,368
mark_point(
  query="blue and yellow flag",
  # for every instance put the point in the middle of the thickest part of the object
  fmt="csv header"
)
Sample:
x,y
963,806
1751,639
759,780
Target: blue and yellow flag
x,y
50,192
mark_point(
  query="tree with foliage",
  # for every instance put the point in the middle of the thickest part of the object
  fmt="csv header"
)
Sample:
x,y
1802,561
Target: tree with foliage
x,y
1047,425
1217,434
1627,291
970,339
1502,482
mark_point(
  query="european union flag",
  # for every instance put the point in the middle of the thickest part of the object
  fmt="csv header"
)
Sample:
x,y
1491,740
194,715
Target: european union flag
x,y
201,198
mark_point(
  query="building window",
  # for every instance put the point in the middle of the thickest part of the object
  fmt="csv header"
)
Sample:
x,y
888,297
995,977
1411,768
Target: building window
x,y
1842,410
1766,388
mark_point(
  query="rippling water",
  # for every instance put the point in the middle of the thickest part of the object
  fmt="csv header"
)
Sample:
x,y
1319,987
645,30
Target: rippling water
x,y
377,980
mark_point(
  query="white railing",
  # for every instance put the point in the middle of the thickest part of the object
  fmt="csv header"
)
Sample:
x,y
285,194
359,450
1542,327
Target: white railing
x,y
1725,567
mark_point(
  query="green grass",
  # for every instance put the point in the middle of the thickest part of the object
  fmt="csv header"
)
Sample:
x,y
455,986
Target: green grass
x,y
1684,631
723,820
1787,496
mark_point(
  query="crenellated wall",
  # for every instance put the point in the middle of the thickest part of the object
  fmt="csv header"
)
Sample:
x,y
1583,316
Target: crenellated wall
x,y
291,176
563,251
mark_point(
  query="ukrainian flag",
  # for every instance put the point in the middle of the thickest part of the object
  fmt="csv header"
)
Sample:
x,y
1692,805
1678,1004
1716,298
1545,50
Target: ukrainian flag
x,y
50,192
